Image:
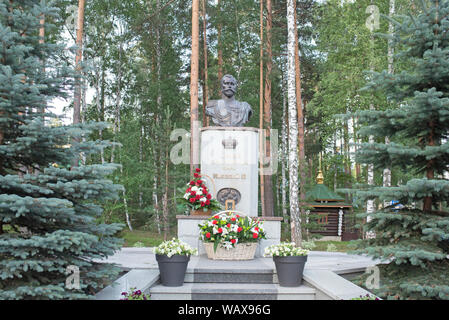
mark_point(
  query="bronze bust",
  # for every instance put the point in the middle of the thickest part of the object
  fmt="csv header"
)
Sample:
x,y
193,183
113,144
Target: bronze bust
x,y
228,112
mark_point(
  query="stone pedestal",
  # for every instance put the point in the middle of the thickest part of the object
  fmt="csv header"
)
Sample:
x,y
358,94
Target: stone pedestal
x,y
229,166
189,232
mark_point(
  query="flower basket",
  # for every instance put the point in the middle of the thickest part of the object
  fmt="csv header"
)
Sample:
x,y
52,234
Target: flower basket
x,y
198,198
241,251
230,236
201,212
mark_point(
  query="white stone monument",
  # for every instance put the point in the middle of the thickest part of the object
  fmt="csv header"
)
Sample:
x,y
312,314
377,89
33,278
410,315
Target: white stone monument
x,y
229,166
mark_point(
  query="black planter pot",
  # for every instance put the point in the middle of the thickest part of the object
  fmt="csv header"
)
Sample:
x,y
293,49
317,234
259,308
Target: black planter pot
x,y
290,270
173,269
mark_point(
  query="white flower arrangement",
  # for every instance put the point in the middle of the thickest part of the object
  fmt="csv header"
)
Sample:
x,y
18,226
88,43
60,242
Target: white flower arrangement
x,y
175,246
284,249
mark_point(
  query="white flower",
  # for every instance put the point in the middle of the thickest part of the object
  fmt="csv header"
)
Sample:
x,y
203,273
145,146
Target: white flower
x,y
203,199
227,245
194,188
186,196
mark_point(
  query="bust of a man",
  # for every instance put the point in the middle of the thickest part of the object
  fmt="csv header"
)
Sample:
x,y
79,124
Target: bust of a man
x,y
228,112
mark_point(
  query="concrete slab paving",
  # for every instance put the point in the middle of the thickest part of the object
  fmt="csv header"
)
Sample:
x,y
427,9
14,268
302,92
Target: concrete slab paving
x,y
144,258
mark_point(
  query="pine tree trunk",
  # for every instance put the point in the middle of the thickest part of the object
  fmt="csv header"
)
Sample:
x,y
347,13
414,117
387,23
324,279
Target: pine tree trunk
x,y
293,128
194,65
205,86
284,164
78,58
220,49
165,199
268,181
387,171
261,115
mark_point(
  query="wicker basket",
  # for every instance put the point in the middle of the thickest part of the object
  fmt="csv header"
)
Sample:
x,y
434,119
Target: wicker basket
x,y
201,212
242,251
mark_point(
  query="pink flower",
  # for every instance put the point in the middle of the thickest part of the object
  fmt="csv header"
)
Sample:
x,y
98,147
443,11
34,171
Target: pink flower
x,y
220,230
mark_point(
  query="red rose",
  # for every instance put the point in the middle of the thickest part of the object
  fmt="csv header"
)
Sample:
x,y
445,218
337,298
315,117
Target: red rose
x,y
237,216
192,200
208,235
192,193
196,175
198,197
208,196
207,202
216,217
233,241
202,204
256,228
214,222
220,230
198,170
228,225
233,219
255,235
192,183
239,229
199,182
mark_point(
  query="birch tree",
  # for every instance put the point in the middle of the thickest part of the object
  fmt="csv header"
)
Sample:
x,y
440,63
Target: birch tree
x,y
293,127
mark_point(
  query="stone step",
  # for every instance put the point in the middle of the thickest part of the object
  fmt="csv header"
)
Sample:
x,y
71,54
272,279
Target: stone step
x,y
231,291
203,270
206,275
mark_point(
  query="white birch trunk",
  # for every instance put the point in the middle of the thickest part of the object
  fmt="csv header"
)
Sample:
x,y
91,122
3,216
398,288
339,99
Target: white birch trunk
x,y
293,128
97,102
370,203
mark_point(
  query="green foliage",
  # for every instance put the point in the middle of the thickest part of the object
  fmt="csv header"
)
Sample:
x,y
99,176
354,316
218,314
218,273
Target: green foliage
x,y
47,212
413,241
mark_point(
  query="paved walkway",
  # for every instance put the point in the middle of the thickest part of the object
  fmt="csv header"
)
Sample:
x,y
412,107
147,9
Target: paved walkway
x,y
339,262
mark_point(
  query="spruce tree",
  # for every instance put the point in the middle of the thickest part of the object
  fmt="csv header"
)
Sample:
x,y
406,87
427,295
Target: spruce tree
x,y
413,241
48,211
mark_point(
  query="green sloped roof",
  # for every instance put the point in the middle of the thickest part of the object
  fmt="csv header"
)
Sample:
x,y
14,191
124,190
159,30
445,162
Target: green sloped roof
x,y
321,192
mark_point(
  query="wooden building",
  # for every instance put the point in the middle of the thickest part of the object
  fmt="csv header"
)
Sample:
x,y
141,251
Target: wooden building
x,y
332,210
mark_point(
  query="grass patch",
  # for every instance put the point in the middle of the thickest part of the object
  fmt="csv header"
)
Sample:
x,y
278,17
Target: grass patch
x,y
341,246
148,238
